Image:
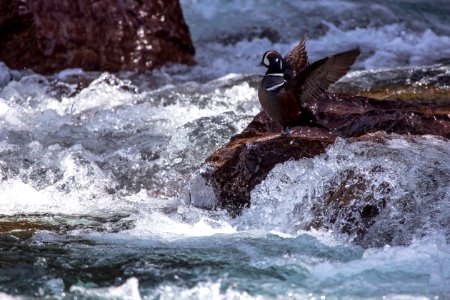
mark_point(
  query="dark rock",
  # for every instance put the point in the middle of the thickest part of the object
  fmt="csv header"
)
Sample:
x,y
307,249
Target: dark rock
x,y
96,35
246,160
348,208
235,169
350,116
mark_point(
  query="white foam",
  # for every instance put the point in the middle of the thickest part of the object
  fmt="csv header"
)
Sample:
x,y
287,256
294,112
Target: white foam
x,y
5,296
385,42
19,197
106,92
127,291
75,179
287,198
391,45
176,226
423,260
383,47
81,188
202,290
9,117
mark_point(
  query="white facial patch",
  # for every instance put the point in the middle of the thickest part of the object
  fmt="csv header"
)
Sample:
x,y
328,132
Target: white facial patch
x,y
266,61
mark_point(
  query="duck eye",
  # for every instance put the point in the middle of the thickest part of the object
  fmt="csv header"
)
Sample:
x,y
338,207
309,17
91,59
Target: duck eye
x,y
277,60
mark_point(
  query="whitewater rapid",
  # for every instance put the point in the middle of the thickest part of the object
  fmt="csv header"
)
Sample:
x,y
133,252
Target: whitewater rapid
x,y
94,169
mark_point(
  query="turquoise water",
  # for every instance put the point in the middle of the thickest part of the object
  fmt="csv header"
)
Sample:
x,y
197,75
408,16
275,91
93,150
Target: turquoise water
x,y
223,266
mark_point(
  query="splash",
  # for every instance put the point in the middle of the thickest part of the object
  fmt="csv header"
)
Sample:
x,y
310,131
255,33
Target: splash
x,y
128,291
76,152
376,192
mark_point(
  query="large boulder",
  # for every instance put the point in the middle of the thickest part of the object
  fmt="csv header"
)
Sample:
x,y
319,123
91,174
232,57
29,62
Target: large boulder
x,y
95,35
234,170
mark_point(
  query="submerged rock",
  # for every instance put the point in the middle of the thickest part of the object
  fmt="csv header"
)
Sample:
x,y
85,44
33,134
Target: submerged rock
x,y
23,226
106,35
235,169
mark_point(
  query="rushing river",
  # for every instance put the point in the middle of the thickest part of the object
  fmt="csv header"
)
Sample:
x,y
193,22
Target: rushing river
x,y
94,168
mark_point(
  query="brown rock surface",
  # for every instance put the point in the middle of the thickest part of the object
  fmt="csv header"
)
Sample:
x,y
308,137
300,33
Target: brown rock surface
x,y
249,156
96,35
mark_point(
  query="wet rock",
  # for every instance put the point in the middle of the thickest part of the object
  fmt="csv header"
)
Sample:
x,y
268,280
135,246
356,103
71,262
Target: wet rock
x,y
24,226
350,116
235,169
106,35
23,229
417,84
246,160
349,208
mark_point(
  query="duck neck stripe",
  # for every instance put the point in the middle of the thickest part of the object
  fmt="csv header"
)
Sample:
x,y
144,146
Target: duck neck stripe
x,y
276,86
275,74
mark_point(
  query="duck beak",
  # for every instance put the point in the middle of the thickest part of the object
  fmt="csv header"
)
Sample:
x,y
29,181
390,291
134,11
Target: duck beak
x,y
260,64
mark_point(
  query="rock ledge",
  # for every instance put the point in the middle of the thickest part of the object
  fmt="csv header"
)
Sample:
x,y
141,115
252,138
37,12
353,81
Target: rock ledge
x,y
235,169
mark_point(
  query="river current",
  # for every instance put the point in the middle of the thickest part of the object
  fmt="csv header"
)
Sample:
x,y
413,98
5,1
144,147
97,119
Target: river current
x,y
95,168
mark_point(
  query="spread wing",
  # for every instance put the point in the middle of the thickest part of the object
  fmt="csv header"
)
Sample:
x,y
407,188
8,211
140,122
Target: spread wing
x,y
317,77
297,58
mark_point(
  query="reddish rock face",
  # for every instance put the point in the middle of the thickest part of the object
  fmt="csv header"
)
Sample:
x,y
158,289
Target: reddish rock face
x,y
96,35
249,156
247,159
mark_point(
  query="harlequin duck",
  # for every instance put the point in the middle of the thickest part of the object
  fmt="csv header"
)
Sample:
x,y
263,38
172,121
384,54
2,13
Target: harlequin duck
x,y
291,86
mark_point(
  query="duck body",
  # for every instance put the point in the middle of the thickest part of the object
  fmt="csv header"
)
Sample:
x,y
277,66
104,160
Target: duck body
x,y
280,104
291,86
